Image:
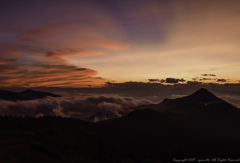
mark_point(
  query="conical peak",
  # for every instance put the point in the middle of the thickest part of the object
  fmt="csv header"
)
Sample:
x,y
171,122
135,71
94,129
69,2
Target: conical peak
x,y
29,90
204,94
203,91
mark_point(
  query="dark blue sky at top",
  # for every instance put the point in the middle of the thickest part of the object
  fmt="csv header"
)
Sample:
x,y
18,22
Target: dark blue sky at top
x,y
18,16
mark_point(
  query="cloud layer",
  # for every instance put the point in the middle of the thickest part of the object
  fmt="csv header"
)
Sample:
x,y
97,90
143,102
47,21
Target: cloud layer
x,y
75,107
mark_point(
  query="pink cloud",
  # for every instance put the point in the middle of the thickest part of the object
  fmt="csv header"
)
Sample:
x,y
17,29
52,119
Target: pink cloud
x,y
50,76
6,61
75,52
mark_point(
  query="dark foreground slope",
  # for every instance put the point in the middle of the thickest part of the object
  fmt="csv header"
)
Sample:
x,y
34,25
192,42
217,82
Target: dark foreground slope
x,y
190,130
47,139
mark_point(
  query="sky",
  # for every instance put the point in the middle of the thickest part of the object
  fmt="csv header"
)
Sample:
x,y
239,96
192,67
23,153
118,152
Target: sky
x,y
78,43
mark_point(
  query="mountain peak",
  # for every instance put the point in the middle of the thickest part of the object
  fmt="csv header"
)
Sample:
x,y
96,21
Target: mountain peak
x,y
203,91
28,94
31,94
203,94
28,90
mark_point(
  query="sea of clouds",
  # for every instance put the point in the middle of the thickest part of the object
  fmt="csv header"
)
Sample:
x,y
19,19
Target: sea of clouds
x,y
80,107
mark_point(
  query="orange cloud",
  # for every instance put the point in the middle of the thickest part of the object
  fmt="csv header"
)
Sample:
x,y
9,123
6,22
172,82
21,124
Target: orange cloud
x,y
52,76
66,30
50,71
6,61
9,52
45,50
105,43
9,69
108,44
73,34
75,52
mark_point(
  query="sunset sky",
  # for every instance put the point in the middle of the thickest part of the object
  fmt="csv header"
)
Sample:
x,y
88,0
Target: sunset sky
x,y
76,43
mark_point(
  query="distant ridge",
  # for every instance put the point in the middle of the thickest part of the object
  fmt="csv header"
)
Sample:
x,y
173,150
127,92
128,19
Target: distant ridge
x,y
200,97
28,94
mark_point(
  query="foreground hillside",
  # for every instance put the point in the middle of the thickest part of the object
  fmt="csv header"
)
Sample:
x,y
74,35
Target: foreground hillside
x,y
205,129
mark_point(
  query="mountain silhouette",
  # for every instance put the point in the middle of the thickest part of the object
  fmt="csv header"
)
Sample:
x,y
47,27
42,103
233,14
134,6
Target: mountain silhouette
x,y
200,97
25,95
31,94
198,125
